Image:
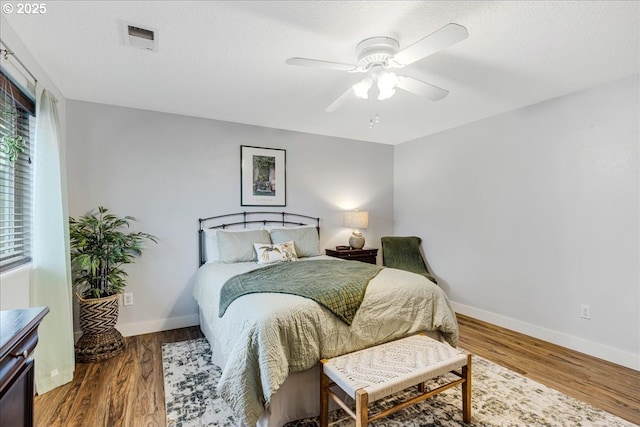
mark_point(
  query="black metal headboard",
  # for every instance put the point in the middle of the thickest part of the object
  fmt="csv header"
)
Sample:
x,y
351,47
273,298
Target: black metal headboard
x,y
245,218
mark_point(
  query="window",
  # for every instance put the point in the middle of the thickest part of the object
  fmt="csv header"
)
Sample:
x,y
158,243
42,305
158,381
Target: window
x,y
17,117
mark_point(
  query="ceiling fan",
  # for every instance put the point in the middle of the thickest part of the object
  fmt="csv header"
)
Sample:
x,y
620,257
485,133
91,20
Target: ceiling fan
x,y
377,55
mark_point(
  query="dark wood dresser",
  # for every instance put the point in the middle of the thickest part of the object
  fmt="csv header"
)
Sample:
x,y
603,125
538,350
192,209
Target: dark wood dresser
x,y
18,338
364,254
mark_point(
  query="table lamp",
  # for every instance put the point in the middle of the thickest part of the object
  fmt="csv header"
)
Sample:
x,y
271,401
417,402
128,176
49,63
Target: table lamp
x,y
357,220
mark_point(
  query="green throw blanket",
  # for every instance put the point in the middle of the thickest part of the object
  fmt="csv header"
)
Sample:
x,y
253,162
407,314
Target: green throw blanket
x,y
336,285
404,253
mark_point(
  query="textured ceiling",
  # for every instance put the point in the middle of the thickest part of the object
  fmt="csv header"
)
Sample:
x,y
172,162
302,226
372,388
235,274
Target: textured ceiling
x,y
225,59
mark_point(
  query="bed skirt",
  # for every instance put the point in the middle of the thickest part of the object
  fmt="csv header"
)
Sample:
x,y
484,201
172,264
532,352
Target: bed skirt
x,y
297,398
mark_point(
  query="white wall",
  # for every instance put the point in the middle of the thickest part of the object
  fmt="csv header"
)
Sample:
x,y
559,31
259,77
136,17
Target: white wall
x,y
527,215
15,288
14,284
169,170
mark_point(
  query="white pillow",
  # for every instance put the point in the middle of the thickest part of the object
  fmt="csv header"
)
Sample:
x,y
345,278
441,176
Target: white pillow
x,y
237,246
211,253
280,227
305,239
268,253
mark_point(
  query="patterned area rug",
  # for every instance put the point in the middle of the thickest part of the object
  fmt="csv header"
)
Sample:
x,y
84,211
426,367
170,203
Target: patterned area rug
x,y
500,397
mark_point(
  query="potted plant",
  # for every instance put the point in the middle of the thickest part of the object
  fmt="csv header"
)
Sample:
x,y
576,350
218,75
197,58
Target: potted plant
x,y
100,246
11,144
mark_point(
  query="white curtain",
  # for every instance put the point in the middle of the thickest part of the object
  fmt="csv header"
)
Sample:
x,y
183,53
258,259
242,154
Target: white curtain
x,y
51,276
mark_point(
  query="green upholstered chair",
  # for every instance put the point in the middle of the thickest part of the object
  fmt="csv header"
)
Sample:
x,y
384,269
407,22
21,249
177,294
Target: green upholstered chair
x,y
404,253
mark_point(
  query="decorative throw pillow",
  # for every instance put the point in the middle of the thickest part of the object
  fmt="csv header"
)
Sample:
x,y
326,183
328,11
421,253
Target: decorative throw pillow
x,y
275,253
305,239
237,246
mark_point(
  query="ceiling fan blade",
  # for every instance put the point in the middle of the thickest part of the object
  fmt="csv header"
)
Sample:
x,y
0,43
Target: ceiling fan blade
x,y
420,88
306,62
438,40
348,94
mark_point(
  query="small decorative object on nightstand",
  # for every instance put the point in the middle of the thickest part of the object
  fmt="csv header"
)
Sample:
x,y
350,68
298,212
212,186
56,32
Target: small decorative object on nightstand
x,y
356,220
364,254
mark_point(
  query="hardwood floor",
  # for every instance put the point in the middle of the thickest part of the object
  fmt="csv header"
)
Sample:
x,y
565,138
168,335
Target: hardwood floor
x,y
127,390
605,385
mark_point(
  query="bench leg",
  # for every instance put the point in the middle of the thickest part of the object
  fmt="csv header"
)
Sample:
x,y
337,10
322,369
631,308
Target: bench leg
x,y
324,397
466,391
362,404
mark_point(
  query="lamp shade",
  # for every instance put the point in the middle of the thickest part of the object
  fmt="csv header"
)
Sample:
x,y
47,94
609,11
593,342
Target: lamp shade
x,y
356,219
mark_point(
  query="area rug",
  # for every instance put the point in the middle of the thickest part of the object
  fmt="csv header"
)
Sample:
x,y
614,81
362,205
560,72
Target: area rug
x,y
500,397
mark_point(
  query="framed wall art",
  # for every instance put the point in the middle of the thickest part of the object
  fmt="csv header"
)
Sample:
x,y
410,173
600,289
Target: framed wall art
x,y
262,176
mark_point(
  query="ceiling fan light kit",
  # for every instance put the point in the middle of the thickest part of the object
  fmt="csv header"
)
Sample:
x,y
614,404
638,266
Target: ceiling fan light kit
x,y
361,89
385,82
377,54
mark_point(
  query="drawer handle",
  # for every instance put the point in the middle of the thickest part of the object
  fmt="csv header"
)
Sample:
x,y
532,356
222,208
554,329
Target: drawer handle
x,y
25,348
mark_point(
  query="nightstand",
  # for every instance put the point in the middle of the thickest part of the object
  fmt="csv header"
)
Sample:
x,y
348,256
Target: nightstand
x,y
364,254
18,338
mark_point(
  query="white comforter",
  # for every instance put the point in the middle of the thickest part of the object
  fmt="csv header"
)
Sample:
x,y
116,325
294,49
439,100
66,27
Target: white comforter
x,y
267,336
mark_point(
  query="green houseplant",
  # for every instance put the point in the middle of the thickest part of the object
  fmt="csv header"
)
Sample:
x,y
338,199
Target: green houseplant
x,y
11,143
100,246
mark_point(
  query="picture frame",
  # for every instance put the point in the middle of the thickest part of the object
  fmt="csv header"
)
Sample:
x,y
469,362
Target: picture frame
x,y
263,176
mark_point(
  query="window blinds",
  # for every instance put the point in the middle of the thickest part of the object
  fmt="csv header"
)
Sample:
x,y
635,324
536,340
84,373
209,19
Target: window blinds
x,y
17,117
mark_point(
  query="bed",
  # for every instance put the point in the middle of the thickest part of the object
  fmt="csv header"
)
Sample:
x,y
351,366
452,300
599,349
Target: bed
x,y
269,344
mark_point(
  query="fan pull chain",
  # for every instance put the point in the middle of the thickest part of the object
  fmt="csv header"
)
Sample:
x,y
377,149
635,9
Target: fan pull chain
x,y
374,120
374,116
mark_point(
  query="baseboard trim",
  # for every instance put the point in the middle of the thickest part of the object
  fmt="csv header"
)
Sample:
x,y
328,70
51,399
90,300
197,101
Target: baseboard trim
x,y
591,348
158,325
149,327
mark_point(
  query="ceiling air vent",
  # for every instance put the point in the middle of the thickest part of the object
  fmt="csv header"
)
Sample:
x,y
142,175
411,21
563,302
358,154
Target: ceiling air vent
x,y
142,38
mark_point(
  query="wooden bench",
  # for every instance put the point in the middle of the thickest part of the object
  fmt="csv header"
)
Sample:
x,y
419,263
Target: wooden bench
x,y
376,372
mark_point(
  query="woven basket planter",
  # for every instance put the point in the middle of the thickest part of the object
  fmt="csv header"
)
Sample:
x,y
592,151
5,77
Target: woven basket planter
x,y
100,339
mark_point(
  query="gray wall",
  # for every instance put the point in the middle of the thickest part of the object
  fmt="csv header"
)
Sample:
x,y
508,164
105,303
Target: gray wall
x,y
530,214
525,216
169,170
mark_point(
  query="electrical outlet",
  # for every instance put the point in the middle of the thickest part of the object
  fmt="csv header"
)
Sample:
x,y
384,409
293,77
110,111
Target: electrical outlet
x,y
127,298
585,311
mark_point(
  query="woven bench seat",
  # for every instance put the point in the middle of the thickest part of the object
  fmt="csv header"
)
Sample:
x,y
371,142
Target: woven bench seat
x,y
376,372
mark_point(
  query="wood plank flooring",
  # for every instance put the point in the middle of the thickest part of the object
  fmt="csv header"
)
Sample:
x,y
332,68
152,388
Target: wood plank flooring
x,y
127,390
605,385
